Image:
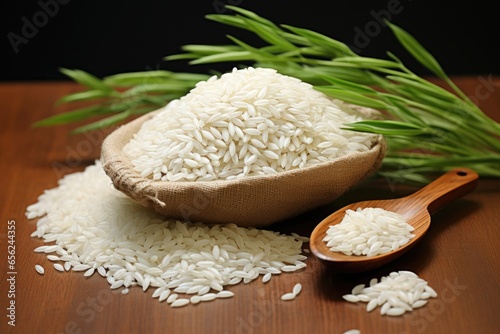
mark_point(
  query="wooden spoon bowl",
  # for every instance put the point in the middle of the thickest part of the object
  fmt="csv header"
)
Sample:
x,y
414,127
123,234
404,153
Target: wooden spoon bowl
x,y
415,208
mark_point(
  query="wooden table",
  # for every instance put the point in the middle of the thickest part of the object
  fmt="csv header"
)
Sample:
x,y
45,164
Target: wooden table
x,y
460,256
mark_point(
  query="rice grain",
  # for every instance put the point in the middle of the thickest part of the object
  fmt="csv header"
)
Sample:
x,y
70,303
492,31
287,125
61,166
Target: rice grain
x,y
297,288
180,302
286,125
288,296
39,269
59,267
368,232
130,245
396,294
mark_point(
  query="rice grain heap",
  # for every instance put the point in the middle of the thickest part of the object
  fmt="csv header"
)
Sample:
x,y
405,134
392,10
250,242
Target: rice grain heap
x,y
368,231
99,229
252,121
398,293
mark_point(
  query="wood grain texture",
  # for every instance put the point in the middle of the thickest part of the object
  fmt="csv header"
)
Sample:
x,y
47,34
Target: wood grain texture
x,y
459,256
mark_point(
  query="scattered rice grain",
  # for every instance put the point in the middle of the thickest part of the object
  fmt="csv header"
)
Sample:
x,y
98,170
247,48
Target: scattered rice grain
x,y
396,293
288,296
297,288
39,269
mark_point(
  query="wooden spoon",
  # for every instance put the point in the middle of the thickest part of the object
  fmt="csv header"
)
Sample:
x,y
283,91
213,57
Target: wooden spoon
x,y
416,208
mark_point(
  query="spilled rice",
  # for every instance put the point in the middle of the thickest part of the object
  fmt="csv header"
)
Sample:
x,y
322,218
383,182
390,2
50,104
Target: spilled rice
x,y
98,230
395,294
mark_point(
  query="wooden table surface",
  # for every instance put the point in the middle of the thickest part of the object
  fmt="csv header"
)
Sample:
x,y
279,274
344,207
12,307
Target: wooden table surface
x,y
459,257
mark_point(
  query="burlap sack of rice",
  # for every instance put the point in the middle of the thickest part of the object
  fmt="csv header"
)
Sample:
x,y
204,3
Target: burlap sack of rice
x,y
253,200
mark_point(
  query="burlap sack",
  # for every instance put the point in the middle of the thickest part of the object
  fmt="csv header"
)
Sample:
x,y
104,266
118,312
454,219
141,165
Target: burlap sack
x,y
253,201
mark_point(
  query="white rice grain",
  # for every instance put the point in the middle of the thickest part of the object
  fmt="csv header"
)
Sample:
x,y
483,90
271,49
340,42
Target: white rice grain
x,y
395,311
225,294
396,294
297,288
351,298
58,267
172,298
248,128
419,303
368,232
39,269
288,296
89,272
372,304
67,266
180,302
158,292
352,331
357,289
164,295
130,245
208,297
195,299
266,278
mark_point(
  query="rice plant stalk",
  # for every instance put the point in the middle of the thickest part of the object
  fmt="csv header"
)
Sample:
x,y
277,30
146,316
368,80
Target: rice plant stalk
x,y
428,129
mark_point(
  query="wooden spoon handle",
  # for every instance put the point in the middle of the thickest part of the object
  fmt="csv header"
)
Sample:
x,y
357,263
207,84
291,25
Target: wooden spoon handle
x,y
448,187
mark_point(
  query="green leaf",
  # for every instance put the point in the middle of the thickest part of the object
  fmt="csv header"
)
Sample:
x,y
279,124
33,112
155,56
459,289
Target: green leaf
x,y
86,95
425,118
258,54
156,88
352,97
326,43
189,78
201,49
269,35
354,75
136,78
401,111
228,20
252,15
86,79
182,56
103,123
386,127
160,100
349,85
154,77
368,63
417,50
425,86
224,57
71,116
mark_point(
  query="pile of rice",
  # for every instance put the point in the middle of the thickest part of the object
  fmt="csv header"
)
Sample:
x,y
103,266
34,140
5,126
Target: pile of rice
x,y
92,227
252,121
369,231
397,293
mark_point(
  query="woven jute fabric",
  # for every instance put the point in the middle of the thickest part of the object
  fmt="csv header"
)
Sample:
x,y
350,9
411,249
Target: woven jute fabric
x,y
252,201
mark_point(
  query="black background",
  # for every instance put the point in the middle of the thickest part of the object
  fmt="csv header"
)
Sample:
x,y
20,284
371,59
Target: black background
x,y
108,37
